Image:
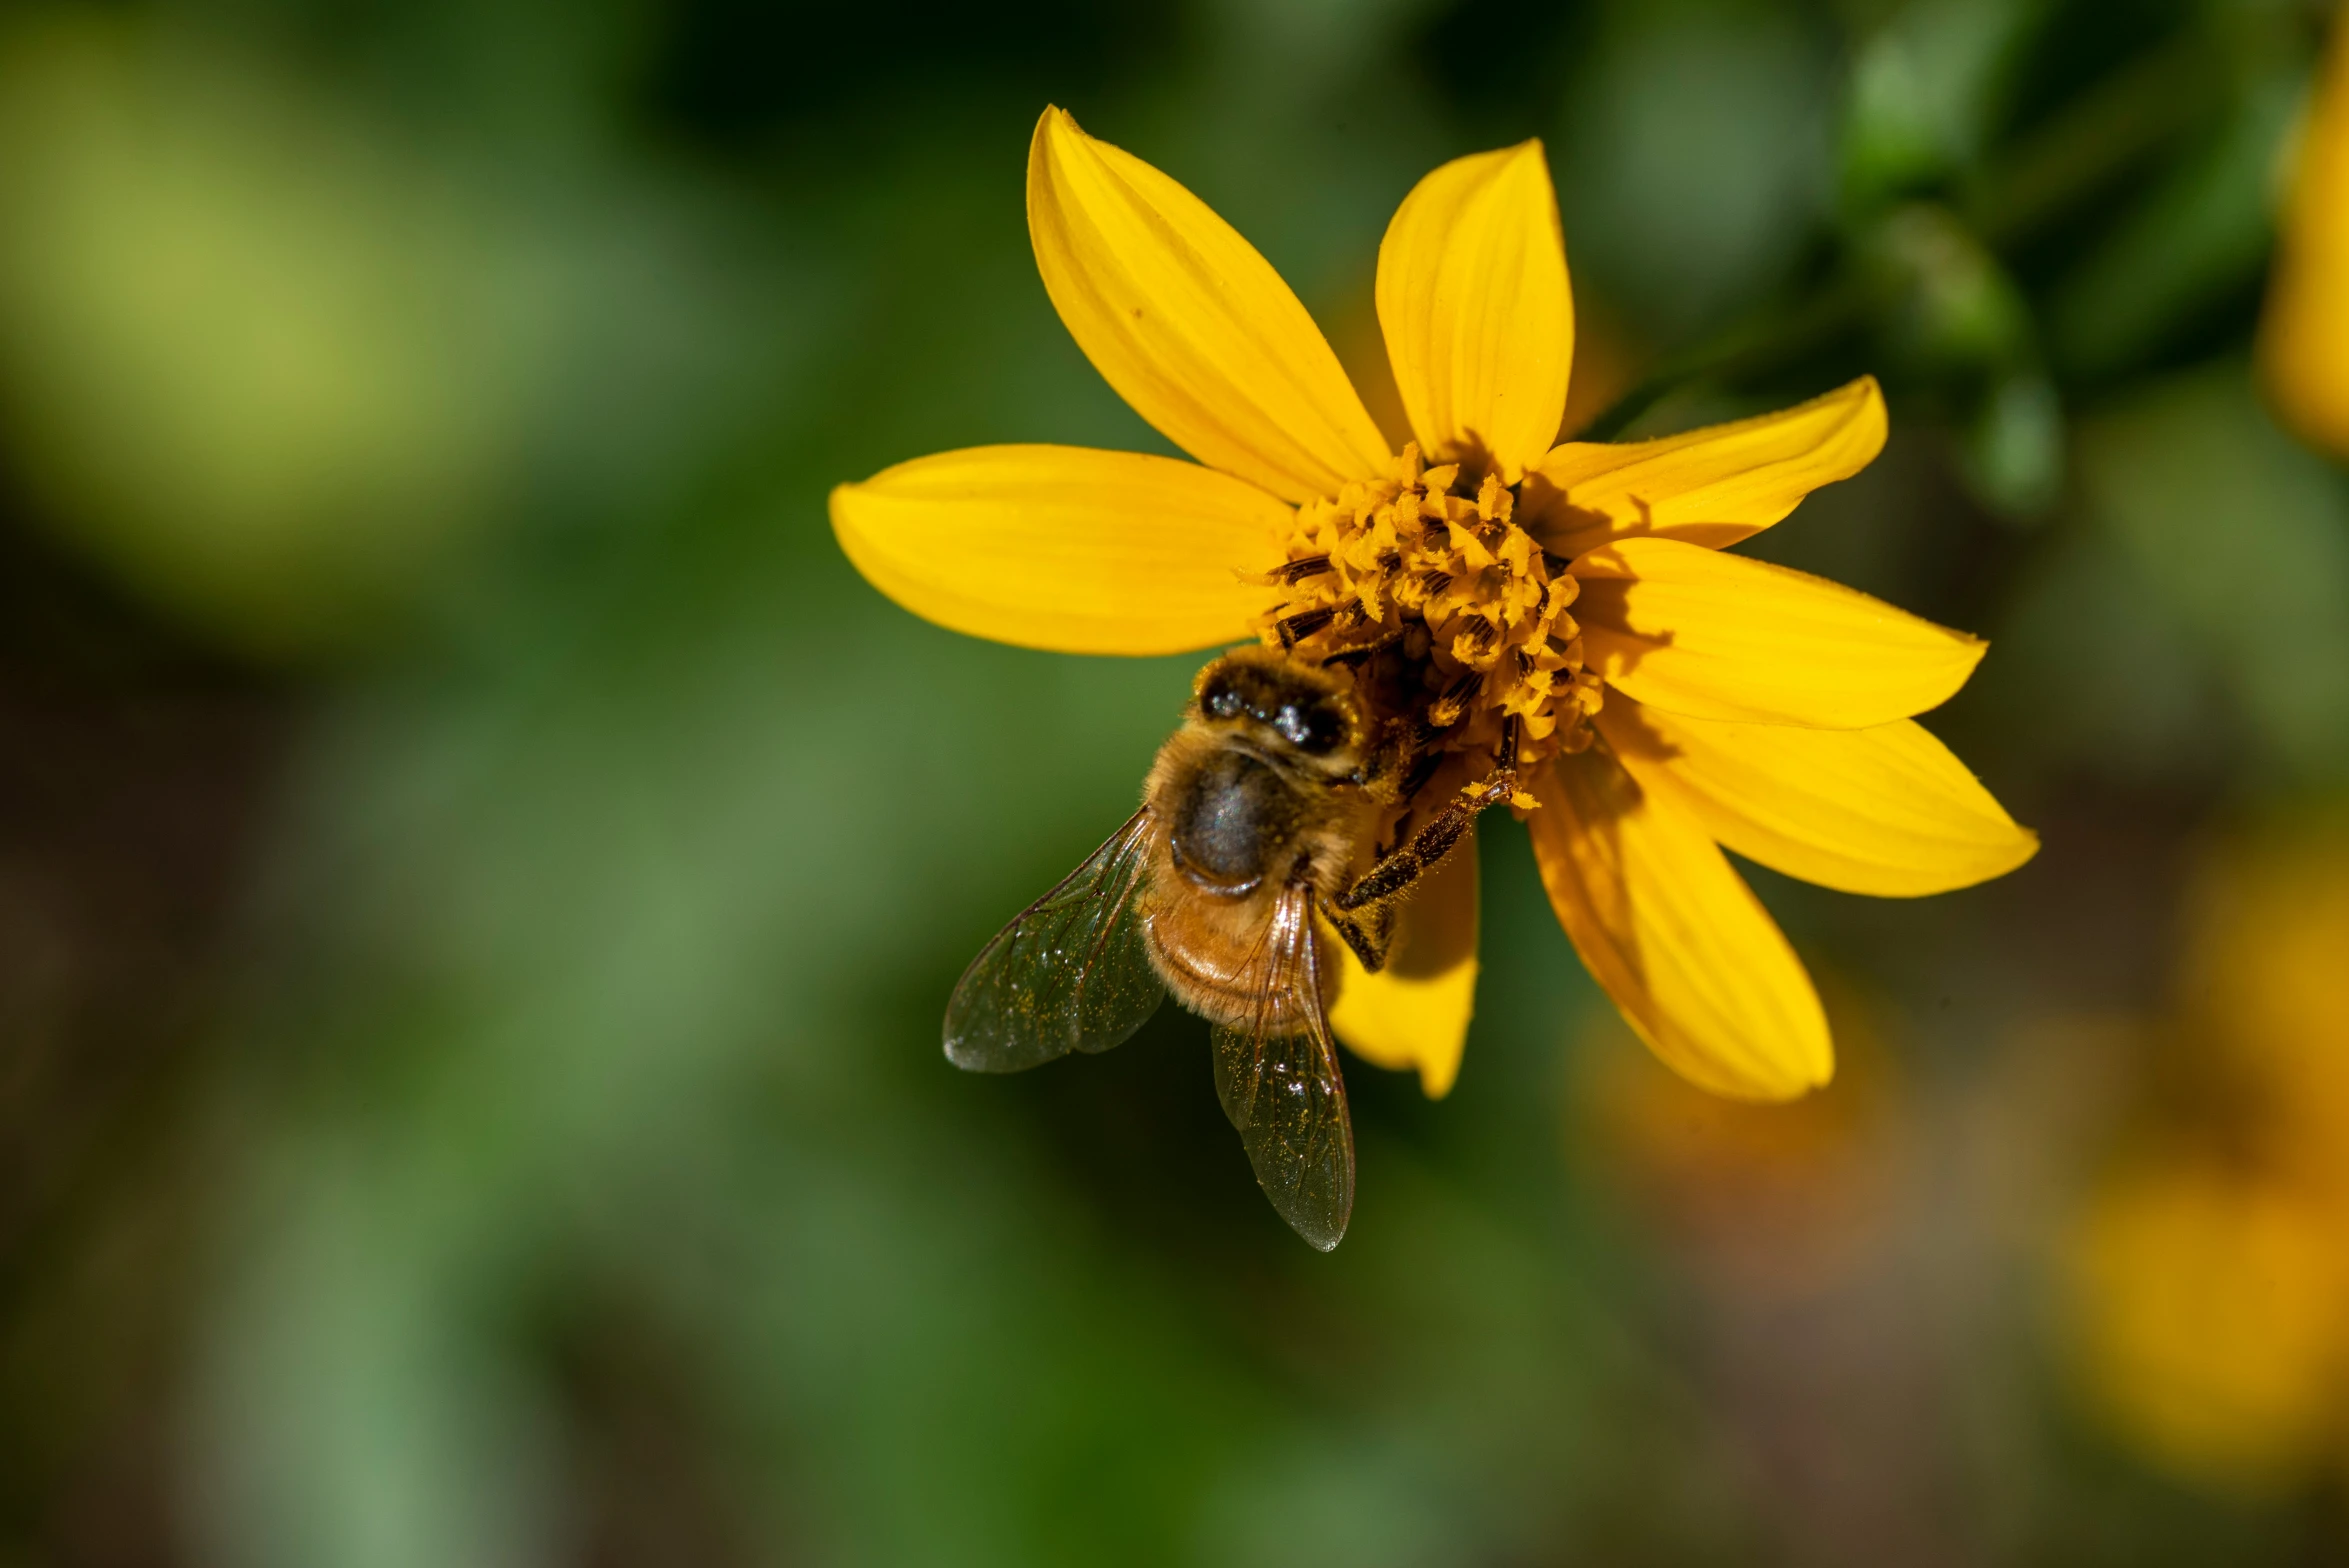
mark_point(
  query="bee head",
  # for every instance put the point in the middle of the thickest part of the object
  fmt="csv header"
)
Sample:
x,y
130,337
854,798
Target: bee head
x,y
1288,706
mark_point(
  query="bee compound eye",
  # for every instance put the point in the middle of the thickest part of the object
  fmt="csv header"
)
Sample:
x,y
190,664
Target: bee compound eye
x,y
1220,701
1310,727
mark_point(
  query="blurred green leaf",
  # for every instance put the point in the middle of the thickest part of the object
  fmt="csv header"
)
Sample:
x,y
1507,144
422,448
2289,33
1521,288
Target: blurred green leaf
x,y
2014,448
1925,92
2201,233
2245,537
280,364
1694,158
1960,312
265,363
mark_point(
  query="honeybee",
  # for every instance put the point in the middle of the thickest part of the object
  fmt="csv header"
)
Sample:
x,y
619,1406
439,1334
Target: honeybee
x,y
1260,820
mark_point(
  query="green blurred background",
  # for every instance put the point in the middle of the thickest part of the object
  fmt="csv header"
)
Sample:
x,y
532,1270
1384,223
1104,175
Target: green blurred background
x,y
480,875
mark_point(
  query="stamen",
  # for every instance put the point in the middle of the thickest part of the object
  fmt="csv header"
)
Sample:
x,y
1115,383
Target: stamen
x,y
1423,768
1352,658
1448,709
1295,628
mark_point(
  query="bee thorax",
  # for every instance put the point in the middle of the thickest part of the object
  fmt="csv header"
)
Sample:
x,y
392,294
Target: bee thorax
x,y
1228,819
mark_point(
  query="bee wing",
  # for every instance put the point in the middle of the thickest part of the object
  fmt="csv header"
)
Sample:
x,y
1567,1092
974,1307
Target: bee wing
x,y
1279,1082
1069,974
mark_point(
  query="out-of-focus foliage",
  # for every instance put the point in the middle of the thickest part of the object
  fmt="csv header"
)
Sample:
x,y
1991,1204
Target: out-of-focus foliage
x,y
523,1137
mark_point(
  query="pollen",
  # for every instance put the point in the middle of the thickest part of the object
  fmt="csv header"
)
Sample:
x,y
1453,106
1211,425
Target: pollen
x,y
1451,616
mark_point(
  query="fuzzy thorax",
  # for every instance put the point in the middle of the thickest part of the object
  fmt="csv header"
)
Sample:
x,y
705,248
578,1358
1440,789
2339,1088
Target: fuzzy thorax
x,y
1425,572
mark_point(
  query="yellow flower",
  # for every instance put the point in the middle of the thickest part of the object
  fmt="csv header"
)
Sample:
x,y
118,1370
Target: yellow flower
x,y
1670,699
2304,331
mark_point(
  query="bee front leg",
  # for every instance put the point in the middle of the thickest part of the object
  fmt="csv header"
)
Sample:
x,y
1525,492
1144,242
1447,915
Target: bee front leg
x,y
1369,935
1398,871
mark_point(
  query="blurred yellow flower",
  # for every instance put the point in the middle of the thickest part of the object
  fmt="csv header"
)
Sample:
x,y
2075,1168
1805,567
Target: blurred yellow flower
x,y
2211,1309
1670,698
2304,333
2210,1289
2267,989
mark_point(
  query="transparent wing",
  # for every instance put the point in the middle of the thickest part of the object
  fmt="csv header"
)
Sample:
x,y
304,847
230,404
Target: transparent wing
x,y
1279,1083
1069,974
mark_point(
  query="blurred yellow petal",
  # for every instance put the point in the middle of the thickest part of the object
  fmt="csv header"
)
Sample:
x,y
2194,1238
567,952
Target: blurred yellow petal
x,y
1713,486
1414,1012
1674,935
1888,811
2304,335
1064,547
1479,322
1717,636
1189,323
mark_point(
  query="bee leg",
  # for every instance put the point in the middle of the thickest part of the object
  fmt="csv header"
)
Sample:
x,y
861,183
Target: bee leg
x,y
1423,767
1399,870
1402,831
1369,936
1505,759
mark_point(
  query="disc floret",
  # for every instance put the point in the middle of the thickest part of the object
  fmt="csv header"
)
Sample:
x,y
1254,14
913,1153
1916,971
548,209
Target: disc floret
x,y
1427,570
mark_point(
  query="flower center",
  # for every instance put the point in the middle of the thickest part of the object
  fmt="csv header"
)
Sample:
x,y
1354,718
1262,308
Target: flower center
x,y
1451,616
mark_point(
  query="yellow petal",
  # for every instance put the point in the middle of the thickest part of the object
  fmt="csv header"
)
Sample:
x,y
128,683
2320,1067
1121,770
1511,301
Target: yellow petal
x,y
1711,487
1063,547
1472,296
1192,327
1716,636
1414,1013
1675,936
1888,810
2304,335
